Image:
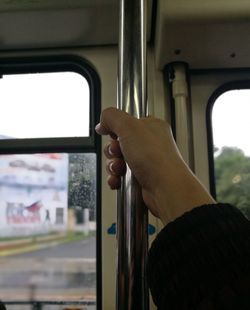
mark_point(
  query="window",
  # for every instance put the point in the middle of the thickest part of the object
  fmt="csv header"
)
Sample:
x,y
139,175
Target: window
x,y
49,186
44,105
230,129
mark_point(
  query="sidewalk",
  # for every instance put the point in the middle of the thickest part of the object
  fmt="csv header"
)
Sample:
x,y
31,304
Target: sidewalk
x,y
13,247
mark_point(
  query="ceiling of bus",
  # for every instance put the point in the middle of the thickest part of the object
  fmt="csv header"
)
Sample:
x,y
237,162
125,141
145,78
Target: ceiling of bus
x,y
213,33
55,23
205,34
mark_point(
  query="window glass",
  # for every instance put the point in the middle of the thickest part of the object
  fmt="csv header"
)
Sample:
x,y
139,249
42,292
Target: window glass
x,y
44,105
231,127
47,200
48,230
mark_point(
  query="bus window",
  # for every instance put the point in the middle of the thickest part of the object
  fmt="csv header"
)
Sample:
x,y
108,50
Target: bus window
x,y
231,126
44,105
47,199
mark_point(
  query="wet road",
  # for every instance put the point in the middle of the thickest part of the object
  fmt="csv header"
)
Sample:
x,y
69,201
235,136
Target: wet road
x,y
78,249
62,272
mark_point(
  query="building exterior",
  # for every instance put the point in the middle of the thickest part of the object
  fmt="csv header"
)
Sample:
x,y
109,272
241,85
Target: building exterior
x,y
33,194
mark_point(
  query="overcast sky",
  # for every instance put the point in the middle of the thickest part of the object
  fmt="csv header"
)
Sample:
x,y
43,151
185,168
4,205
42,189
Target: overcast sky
x,y
44,105
57,105
231,120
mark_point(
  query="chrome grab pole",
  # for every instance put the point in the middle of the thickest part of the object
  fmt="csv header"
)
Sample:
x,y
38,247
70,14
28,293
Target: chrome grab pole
x,y
132,220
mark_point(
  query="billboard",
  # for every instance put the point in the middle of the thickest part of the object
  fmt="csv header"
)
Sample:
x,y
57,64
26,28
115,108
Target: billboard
x,y
33,193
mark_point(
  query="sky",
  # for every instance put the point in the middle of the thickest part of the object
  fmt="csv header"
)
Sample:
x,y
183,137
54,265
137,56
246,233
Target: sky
x,y
57,105
44,105
231,120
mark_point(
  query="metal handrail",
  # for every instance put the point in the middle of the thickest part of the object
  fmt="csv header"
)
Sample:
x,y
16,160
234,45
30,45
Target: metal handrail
x,y
132,221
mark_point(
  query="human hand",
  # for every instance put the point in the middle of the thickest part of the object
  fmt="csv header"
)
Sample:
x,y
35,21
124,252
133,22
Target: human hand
x,y
169,188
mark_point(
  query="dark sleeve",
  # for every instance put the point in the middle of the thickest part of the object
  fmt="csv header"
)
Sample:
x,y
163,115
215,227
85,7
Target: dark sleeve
x,y
202,261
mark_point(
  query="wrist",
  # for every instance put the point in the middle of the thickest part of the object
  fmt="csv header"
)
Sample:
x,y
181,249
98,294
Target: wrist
x,y
182,194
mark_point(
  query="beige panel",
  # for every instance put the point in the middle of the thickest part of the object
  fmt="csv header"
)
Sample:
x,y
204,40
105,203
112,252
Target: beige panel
x,y
205,34
27,5
105,62
156,108
213,10
60,23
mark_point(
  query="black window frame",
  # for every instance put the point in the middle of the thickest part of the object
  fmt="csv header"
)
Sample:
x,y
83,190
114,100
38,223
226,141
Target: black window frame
x,y
233,85
90,144
52,64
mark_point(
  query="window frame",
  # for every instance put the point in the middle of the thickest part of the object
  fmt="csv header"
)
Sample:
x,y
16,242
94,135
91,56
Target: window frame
x,y
233,85
90,144
51,64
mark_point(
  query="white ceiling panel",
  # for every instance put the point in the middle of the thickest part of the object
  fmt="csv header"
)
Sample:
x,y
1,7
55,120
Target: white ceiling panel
x,y
43,24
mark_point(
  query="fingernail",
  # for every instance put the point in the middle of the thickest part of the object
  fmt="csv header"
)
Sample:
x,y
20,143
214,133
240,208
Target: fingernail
x,y
110,151
97,127
111,167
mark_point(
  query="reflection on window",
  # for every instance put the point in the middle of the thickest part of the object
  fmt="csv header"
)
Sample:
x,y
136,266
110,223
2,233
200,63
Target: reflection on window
x,y
48,229
231,127
44,105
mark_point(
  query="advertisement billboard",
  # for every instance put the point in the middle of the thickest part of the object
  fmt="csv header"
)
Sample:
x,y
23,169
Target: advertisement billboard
x,y
33,193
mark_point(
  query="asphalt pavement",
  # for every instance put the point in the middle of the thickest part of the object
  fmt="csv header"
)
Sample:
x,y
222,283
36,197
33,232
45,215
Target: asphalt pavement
x,y
85,248
60,272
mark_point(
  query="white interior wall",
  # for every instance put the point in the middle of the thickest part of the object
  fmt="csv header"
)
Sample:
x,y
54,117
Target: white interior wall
x,y
104,60
205,34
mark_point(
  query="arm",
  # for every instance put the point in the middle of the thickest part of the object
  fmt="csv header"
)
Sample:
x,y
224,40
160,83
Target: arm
x,y
202,254
202,261
169,187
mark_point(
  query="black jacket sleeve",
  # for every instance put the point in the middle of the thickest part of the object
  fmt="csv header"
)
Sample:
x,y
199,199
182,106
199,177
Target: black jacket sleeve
x,y
202,261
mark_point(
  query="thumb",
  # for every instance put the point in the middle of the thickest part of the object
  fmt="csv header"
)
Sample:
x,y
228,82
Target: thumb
x,y
114,122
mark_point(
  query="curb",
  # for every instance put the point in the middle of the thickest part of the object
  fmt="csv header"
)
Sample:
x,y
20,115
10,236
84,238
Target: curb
x,y
21,246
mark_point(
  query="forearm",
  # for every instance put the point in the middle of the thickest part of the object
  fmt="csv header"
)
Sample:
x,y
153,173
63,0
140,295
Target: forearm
x,y
180,193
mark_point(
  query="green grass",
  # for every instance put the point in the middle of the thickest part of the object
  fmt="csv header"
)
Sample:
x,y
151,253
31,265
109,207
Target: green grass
x,y
12,238
77,235
69,236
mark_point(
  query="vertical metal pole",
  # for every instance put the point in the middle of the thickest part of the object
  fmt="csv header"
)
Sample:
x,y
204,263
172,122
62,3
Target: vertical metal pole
x,y
132,221
183,113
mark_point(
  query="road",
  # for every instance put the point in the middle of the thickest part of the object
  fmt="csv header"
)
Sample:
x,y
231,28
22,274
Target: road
x,y
62,272
78,249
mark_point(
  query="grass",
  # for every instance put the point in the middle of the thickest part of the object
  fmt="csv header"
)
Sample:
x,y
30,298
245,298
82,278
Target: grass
x,y
69,236
40,241
76,236
26,237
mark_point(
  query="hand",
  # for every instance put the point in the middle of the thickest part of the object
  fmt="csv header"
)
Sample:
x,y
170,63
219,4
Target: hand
x,y
169,188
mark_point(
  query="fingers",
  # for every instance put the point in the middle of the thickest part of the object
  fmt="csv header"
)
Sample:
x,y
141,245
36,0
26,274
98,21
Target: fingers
x,y
114,182
115,168
112,149
109,125
114,122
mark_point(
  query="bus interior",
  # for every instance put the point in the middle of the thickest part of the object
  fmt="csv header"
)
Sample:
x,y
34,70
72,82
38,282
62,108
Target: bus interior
x,y
58,69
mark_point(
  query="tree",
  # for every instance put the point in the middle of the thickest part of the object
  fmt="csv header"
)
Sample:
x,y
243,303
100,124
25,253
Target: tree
x,y
82,181
232,176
